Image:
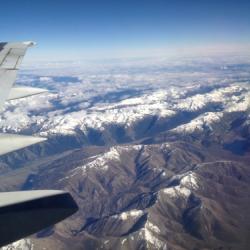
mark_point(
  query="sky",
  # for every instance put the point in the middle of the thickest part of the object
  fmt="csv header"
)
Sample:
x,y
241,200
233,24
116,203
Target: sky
x,y
78,29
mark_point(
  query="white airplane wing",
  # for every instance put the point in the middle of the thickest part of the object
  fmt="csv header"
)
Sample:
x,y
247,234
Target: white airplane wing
x,y
20,92
10,142
11,55
27,212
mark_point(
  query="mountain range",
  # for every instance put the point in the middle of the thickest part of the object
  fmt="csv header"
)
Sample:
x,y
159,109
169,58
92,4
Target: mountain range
x,y
156,153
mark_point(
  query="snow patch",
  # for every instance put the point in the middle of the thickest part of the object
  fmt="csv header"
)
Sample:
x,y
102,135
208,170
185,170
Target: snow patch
x,y
151,240
135,214
190,181
177,191
101,161
187,183
198,124
24,244
152,227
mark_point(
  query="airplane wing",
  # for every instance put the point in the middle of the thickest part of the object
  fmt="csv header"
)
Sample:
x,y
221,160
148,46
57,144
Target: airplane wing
x,y
10,142
11,55
26,212
21,92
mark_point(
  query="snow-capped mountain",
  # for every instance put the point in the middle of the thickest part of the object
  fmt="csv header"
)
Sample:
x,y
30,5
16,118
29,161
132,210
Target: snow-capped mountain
x,y
155,153
100,100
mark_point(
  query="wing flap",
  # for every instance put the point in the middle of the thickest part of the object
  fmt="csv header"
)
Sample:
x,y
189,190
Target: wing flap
x,y
20,92
10,142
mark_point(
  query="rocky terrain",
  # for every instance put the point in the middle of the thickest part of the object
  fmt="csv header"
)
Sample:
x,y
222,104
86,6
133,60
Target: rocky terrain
x,y
155,154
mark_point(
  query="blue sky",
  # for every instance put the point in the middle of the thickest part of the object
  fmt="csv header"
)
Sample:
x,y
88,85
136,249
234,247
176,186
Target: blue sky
x,y
74,29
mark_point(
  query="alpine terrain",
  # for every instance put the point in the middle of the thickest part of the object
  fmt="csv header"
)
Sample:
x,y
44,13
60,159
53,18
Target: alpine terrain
x,y
155,152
